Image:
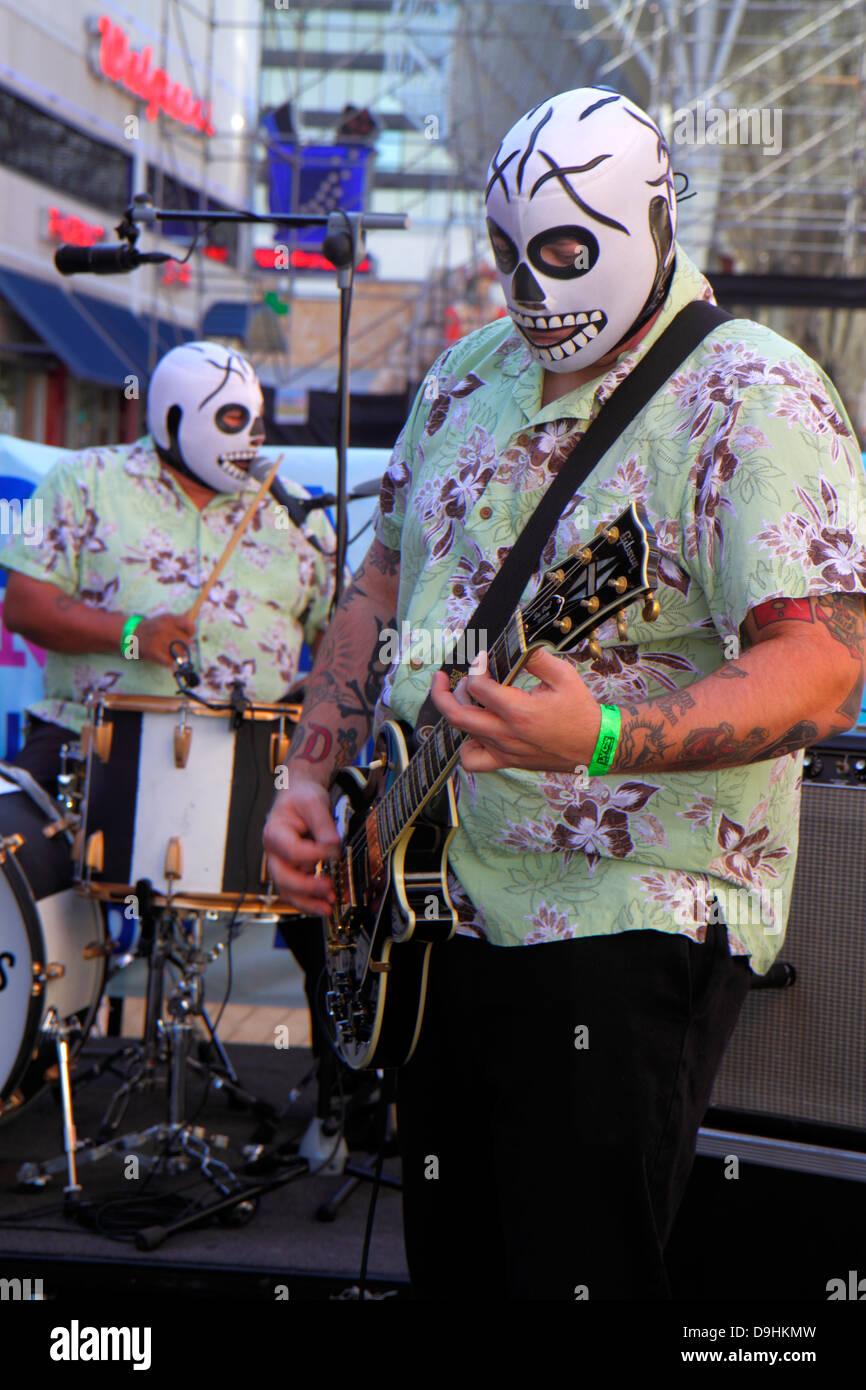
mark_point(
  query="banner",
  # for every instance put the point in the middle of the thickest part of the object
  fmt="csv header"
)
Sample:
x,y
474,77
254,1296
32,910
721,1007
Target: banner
x,y
314,179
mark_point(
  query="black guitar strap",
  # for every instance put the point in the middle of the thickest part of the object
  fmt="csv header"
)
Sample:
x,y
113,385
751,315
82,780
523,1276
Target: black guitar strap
x,y
500,600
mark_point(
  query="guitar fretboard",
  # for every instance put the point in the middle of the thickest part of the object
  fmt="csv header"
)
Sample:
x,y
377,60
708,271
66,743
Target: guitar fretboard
x,y
438,753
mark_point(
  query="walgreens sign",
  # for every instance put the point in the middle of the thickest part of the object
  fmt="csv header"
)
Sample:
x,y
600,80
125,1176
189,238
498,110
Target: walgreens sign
x,y
131,69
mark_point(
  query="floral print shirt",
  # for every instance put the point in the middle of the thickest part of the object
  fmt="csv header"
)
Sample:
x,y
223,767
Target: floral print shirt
x,y
120,533
751,476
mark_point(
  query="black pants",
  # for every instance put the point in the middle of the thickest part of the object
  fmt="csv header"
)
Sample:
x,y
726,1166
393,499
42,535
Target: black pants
x,y
548,1118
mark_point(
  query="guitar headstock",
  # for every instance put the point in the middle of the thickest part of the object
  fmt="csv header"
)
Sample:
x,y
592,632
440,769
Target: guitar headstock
x,y
596,582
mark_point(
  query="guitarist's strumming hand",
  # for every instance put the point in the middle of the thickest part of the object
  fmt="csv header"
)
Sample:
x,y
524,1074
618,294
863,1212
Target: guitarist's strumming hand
x,y
299,834
552,728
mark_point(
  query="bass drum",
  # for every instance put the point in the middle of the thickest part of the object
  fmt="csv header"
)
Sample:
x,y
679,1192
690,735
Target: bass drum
x,y
52,949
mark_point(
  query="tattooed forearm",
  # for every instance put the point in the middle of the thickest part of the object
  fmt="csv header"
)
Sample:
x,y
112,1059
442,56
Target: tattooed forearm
x,y
380,558
798,680
720,746
642,743
799,736
346,681
674,705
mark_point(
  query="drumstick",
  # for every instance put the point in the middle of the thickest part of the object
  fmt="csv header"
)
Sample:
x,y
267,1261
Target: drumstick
x,y
239,531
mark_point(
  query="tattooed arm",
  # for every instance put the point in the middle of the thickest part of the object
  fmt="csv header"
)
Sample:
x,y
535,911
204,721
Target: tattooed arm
x,y
800,679
342,690
340,696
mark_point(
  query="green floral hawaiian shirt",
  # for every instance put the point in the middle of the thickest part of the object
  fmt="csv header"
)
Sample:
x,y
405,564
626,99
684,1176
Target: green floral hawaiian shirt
x,y
751,476
118,532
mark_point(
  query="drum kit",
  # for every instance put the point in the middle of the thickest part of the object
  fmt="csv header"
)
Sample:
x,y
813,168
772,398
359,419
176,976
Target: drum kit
x,y
155,832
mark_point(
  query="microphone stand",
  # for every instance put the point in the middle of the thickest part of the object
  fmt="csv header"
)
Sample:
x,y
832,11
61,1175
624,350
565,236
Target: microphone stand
x,y
343,246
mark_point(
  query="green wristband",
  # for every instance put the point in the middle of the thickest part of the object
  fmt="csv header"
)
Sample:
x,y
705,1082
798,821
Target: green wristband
x,y
128,629
608,739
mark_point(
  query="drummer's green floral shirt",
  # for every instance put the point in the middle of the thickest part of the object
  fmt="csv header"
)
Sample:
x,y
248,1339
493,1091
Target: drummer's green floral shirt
x,y
119,532
751,476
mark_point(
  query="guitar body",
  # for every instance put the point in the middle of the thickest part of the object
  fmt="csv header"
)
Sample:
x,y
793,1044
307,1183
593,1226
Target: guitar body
x,y
397,816
381,931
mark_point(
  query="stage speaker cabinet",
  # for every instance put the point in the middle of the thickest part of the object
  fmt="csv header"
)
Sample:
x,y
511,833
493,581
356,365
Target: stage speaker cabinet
x,y
798,1053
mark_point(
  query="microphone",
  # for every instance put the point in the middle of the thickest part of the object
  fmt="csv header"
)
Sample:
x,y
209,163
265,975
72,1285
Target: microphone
x,y
371,488
259,469
104,260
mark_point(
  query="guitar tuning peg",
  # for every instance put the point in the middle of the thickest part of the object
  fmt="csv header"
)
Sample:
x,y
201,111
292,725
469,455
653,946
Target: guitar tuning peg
x,y
585,555
592,645
651,608
622,627
610,533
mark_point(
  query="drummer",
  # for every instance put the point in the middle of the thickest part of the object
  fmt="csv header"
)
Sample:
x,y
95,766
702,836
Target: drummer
x,y
131,534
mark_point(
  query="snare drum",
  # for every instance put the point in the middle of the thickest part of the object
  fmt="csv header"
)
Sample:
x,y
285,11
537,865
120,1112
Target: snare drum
x,y
176,795
52,948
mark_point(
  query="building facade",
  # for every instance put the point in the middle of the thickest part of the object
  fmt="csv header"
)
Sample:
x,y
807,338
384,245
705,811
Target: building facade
x,y
98,104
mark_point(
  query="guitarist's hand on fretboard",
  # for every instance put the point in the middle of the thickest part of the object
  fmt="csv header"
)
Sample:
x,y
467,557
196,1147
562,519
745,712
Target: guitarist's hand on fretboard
x,y
551,728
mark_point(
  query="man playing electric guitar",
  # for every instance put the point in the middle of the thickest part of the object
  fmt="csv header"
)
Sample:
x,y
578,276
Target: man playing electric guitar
x,y
617,807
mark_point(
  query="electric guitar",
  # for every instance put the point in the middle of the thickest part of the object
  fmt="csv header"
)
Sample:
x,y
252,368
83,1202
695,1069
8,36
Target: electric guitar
x,y
398,815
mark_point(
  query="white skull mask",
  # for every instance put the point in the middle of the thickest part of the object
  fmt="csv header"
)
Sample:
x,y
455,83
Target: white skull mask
x,y
582,218
205,408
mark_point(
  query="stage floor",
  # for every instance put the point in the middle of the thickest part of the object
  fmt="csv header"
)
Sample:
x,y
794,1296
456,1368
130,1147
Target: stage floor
x,y
769,1235
283,1244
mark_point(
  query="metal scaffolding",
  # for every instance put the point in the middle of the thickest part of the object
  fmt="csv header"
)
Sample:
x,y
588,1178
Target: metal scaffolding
x,y
763,103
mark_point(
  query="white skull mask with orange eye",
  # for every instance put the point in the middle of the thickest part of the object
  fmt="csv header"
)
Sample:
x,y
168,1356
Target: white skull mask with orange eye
x,y
205,406
582,218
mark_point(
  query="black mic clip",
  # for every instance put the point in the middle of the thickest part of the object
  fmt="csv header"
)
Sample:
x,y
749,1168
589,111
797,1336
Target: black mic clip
x,y
239,703
184,672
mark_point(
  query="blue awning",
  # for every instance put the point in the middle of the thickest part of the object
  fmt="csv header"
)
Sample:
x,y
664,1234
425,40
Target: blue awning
x,y
80,343
132,333
97,340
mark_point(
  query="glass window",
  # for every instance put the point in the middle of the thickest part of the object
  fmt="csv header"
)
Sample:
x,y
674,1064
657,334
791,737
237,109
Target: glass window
x,y
49,150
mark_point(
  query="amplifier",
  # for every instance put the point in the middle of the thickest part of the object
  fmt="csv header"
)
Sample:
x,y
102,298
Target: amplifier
x,y
797,1060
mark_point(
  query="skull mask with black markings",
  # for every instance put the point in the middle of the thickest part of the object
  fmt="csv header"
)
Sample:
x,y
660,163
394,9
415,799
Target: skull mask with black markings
x,y
582,218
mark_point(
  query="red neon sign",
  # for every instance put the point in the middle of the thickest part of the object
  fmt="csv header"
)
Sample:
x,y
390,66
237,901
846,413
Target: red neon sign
x,y
266,259
173,274
131,70
73,230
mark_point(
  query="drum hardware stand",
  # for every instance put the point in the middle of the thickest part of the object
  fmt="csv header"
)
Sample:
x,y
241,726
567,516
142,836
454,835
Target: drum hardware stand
x,y
60,1031
182,1141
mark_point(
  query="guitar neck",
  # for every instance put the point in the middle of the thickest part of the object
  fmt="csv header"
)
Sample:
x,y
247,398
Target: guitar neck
x,y
436,758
